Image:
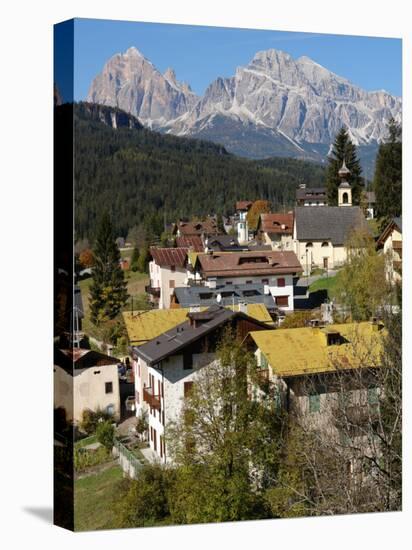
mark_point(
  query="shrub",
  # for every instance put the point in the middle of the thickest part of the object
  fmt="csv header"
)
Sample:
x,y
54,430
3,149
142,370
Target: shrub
x,y
84,458
90,420
105,434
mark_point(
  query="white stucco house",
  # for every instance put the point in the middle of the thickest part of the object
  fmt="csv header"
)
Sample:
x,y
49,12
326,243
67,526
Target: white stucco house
x,y
390,242
242,208
167,366
86,379
274,269
167,270
276,230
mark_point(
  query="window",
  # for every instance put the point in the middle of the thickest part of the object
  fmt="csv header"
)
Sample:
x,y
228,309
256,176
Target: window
x,y
263,361
137,397
309,245
265,281
173,268
282,301
110,410
187,388
373,398
314,403
171,283
281,281
187,361
108,386
345,198
249,282
333,338
325,244
228,283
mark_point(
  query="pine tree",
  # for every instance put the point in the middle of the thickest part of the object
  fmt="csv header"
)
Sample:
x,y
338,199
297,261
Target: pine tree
x,y
388,175
343,149
108,292
144,259
220,224
135,259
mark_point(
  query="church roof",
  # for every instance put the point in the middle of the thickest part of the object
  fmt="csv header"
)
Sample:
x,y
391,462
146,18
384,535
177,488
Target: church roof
x,y
327,223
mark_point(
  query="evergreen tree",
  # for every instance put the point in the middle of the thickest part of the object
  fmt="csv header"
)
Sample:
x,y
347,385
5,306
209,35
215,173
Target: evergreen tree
x,y
135,259
220,225
343,150
108,292
388,175
144,259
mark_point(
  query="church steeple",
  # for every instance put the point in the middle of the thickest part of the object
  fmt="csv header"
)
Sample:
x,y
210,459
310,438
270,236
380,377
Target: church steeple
x,y
344,189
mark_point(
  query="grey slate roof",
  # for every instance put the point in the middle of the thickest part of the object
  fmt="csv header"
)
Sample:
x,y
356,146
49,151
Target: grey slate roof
x,y
311,192
398,222
223,243
176,339
324,223
204,296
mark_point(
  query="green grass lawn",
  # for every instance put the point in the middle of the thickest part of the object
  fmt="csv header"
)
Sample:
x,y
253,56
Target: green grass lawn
x,y
325,283
86,441
95,497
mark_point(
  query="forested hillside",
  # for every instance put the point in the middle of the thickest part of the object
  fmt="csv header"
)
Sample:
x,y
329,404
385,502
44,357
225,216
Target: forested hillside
x,y
141,175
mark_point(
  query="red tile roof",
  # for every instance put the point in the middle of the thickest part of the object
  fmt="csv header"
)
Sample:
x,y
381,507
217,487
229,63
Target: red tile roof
x,y
237,264
209,227
243,205
169,256
191,241
277,223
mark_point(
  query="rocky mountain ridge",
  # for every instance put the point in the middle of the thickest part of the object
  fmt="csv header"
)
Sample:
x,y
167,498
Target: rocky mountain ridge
x,y
275,105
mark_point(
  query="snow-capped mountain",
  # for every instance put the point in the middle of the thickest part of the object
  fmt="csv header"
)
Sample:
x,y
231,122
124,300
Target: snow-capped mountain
x,y
276,105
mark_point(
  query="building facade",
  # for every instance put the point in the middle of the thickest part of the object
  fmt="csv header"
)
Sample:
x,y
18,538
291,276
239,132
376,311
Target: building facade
x,y
167,366
167,270
86,380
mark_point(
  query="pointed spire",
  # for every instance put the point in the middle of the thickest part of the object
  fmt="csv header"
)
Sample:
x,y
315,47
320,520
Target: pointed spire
x,y
344,172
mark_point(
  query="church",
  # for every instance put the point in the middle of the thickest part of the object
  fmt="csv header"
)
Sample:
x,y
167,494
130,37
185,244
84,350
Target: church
x,y
320,232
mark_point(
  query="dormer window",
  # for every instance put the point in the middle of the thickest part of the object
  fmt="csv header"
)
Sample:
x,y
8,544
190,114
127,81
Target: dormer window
x,y
333,338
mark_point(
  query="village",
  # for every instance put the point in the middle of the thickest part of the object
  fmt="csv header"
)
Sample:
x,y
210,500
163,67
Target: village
x,y
269,286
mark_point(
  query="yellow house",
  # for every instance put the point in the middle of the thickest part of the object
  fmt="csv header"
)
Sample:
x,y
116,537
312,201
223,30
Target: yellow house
x,y
307,366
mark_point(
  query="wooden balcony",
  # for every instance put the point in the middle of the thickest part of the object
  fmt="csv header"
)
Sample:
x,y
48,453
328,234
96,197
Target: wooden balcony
x,y
153,291
151,399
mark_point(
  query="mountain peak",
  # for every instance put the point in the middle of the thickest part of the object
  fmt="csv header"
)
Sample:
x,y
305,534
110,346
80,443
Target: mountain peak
x,y
133,52
170,74
272,55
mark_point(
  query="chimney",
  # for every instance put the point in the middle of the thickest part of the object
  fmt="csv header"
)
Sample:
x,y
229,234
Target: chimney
x,y
242,307
212,283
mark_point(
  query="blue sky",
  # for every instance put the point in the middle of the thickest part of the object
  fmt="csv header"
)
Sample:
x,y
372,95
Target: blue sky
x,y
200,54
